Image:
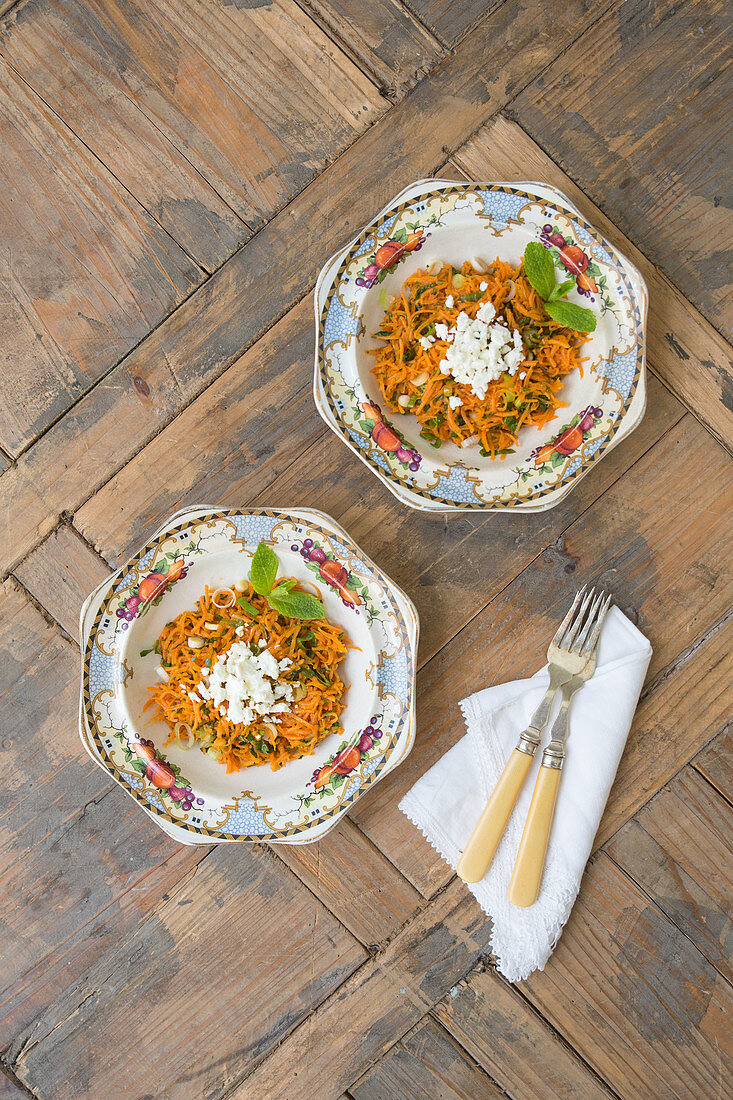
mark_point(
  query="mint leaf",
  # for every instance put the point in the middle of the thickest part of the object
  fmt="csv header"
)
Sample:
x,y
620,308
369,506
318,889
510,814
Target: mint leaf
x,y
539,269
247,606
561,290
572,316
264,569
296,605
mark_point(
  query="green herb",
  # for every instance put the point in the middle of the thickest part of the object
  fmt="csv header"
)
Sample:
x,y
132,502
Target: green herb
x,y
263,574
540,269
247,606
572,316
474,296
144,652
297,605
561,290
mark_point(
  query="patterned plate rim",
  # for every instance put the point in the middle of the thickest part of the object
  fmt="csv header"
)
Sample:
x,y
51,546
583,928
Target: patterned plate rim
x,y
410,632
399,486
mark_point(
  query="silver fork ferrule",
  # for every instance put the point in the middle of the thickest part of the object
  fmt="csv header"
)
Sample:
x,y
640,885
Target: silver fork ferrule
x,y
554,755
529,740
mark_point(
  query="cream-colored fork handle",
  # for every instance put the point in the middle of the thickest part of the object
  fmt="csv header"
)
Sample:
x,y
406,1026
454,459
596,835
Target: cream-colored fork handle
x,y
478,853
527,874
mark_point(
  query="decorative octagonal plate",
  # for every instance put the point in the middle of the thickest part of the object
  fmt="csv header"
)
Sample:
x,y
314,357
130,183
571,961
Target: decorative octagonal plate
x,y
188,793
437,221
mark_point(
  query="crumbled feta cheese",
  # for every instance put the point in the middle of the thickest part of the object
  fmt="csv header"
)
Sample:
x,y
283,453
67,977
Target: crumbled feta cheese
x,y
426,342
483,286
449,302
244,685
455,402
480,351
442,331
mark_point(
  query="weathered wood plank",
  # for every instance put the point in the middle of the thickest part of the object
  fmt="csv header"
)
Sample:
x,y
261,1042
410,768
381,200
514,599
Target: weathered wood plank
x,y
60,573
8,1089
118,68
274,269
101,873
187,462
354,881
259,455
71,844
383,36
665,185
85,272
716,763
376,1006
513,1043
426,1063
677,848
450,19
678,713
255,97
240,914
684,350
635,997
661,548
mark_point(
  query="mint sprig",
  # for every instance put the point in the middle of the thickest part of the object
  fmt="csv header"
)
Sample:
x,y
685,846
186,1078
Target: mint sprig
x,y
263,572
281,598
571,316
297,605
540,271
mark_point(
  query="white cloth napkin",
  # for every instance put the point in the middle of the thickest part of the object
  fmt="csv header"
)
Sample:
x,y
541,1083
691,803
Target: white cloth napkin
x,y
447,801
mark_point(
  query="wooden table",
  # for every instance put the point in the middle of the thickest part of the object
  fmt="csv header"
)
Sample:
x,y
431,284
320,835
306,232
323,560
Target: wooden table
x,y
173,173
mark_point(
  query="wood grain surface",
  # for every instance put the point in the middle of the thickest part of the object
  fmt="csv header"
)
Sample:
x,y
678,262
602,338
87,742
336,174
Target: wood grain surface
x,y
667,186
275,269
427,1062
173,175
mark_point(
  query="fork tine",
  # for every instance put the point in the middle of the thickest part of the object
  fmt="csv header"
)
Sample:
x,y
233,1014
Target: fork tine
x,y
590,622
592,641
568,618
575,626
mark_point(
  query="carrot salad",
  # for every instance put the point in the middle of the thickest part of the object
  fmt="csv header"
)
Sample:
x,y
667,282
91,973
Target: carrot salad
x,y
408,364
308,652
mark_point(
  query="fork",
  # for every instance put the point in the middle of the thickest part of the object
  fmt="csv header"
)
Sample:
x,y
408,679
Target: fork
x,y
563,664
582,641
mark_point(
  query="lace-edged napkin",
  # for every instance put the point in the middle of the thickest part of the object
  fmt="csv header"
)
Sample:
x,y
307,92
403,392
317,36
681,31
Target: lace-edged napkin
x,y
446,802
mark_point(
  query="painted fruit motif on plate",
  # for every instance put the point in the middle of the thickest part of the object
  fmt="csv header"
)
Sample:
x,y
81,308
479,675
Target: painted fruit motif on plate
x,y
438,222
186,790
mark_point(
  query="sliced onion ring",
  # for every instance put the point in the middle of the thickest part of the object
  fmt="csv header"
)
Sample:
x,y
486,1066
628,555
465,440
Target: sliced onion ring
x,y
184,735
229,599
